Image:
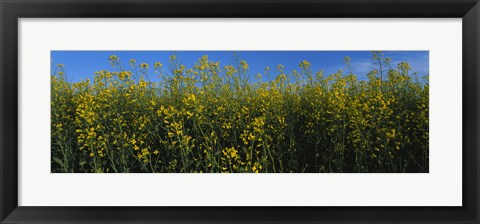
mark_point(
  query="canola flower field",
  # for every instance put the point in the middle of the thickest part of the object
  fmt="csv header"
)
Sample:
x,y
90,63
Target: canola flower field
x,y
214,118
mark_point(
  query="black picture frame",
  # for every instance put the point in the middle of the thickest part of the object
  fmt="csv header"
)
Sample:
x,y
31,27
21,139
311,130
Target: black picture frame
x,y
12,10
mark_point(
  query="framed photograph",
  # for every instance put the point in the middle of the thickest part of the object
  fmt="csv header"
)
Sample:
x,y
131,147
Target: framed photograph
x,y
239,111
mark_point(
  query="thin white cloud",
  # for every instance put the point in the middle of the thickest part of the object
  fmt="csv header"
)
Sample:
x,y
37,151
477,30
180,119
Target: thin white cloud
x,y
362,68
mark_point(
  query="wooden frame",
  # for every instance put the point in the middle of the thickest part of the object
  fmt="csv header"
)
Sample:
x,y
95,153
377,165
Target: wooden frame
x,y
11,11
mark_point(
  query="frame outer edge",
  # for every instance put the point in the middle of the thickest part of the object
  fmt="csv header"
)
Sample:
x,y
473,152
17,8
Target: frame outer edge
x,y
8,201
2,216
476,151
8,110
471,121
477,180
3,212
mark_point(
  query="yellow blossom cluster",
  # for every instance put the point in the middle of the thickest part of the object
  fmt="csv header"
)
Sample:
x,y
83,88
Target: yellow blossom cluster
x,y
211,118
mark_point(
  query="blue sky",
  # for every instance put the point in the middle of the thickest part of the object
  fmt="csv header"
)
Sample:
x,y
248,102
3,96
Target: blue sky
x,y
82,64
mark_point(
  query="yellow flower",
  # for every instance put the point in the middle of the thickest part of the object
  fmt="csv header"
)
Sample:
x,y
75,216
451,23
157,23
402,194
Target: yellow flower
x,y
391,134
144,65
157,65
